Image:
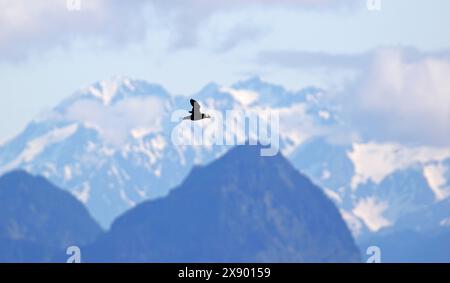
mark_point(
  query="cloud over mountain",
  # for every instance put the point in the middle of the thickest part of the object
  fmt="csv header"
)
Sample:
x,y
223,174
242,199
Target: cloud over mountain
x,y
36,26
403,98
40,25
391,89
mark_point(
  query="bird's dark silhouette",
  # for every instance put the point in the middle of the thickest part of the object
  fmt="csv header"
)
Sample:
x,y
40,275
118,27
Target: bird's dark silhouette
x,y
195,112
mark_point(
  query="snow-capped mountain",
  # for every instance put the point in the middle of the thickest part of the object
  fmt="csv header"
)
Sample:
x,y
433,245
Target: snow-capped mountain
x,y
111,144
376,185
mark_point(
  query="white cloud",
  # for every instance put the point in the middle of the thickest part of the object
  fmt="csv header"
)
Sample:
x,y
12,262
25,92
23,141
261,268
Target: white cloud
x,y
371,211
245,97
403,98
435,175
374,161
187,17
324,114
297,117
116,122
39,25
392,94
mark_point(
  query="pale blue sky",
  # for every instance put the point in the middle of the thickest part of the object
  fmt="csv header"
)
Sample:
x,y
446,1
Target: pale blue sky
x,y
36,79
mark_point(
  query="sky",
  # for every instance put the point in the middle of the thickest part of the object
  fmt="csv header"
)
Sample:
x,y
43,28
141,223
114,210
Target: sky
x,y
393,61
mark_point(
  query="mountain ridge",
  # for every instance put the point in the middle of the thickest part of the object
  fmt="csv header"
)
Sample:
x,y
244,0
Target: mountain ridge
x,y
232,210
95,143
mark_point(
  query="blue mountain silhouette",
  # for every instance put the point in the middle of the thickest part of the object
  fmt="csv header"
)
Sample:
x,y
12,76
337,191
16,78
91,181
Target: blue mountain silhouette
x,y
38,221
240,208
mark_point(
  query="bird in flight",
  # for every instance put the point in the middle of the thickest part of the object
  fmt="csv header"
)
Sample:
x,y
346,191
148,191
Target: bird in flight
x,y
195,112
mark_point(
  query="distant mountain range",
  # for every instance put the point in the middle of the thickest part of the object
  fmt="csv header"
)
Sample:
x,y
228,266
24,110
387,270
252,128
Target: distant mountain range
x,y
39,221
240,208
110,145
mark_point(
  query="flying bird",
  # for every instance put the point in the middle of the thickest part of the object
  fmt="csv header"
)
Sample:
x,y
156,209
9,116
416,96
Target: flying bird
x,y
195,112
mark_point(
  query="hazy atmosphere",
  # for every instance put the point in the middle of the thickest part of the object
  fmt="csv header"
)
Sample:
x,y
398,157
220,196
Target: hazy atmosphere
x,y
94,110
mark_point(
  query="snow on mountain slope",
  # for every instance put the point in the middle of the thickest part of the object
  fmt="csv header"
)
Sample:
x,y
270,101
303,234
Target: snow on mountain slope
x,y
36,146
375,184
111,145
435,175
376,161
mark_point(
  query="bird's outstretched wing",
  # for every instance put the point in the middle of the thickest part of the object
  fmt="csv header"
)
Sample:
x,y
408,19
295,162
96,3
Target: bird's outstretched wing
x,y
195,105
195,109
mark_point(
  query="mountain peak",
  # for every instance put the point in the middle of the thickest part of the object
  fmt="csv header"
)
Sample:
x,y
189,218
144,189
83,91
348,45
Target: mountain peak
x,y
251,82
240,208
256,83
106,90
113,90
249,152
211,86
